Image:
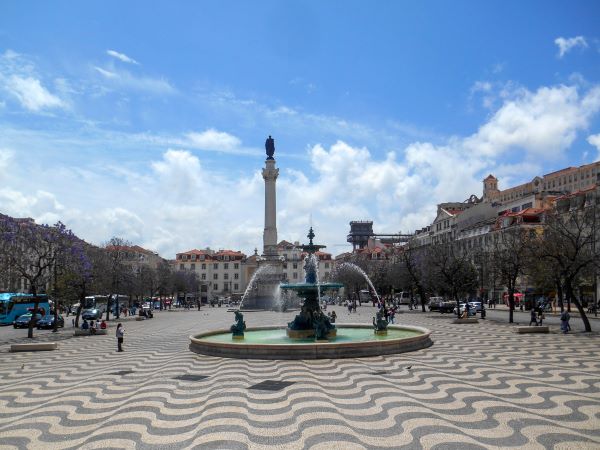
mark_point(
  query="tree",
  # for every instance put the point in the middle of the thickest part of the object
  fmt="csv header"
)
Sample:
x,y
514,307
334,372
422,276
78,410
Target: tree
x,y
452,271
568,244
74,276
512,253
31,252
116,250
414,261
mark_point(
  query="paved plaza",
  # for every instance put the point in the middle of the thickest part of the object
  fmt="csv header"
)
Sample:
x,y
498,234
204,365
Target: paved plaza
x,y
479,386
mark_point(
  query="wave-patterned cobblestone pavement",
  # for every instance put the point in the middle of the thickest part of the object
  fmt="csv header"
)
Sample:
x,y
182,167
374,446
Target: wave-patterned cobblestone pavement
x,y
478,387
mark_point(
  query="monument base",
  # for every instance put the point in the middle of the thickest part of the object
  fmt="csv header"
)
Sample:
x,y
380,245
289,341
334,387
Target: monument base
x,y
381,332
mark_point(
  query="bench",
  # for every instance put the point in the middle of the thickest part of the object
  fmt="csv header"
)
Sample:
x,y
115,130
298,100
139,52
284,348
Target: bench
x,y
80,332
539,329
34,347
469,320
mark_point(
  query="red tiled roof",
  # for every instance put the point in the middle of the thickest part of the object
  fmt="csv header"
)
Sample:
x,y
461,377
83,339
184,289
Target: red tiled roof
x,y
194,252
579,192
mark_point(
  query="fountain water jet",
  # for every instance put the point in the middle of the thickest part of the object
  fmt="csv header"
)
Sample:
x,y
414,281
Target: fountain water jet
x,y
356,269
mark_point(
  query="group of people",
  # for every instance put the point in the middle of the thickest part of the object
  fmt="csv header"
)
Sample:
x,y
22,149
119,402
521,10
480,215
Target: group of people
x,y
537,316
93,326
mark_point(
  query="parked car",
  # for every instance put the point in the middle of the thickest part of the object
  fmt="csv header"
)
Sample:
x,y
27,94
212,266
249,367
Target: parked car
x,y
435,302
472,310
91,314
23,321
48,322
446,307
476,306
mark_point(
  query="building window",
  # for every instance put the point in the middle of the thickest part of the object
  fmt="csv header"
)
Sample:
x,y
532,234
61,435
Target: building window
x,y
226,266
236,266
215,266
192,266
181,266
203,266
295,275
236,287
215,287
215,276
295,265
284,265
203,276
226,276
327,265
527,205
236,276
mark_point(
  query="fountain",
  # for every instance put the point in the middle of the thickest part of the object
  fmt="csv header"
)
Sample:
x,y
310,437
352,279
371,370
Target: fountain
x,y
311,334
311,321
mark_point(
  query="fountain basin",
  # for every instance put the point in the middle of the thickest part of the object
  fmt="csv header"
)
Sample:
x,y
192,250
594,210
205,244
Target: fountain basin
x,y
352,341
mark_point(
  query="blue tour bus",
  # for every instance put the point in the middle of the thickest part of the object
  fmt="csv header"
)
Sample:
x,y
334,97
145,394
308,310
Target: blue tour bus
x,y
13,305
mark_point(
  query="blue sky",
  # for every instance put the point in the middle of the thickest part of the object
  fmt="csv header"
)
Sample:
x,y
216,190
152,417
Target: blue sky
x,y
148,120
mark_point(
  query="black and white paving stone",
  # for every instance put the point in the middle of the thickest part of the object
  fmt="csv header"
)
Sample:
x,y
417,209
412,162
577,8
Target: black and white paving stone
x,y
479,386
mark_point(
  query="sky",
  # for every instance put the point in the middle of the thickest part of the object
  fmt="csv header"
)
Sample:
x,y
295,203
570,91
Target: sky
x,y
147,120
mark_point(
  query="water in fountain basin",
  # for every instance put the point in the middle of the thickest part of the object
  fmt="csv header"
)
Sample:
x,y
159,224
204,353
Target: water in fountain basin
x,y
355,268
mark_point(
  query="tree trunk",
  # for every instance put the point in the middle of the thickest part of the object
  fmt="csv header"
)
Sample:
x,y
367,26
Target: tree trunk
x,y
108,301
422,294
36,304
569,289
559,294
511,303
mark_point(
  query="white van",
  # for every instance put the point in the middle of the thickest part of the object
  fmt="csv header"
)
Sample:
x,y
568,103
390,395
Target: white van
x,y
403,298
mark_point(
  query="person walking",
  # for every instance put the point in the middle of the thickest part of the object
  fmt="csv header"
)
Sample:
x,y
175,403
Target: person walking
x,y
120,332
564,321
533,317
540,315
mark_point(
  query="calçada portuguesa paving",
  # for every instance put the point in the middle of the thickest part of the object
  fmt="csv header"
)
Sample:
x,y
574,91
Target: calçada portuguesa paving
x,y
479,386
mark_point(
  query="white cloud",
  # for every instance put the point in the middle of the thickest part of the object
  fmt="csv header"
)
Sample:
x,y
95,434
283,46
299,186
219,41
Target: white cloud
x,y
544,122
121,56
212,139
106,73
594,140
19,79
6,156
127,80
31,94
567,44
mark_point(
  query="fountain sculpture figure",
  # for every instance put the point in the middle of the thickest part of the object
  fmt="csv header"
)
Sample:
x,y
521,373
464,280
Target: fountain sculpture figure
x,y
379,323
237,329
311,321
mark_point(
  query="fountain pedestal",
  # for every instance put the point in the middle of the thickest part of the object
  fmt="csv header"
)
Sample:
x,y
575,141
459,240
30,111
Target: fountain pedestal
x,y
311,322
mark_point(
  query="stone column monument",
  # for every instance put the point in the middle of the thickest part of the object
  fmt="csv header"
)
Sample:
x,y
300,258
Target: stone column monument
x,y
270,173
262,295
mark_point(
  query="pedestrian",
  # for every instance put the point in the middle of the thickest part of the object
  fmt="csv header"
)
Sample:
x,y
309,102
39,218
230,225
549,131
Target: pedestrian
x,y
119,333
564,322
541,316
93,327
482,310
103,325
533,318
